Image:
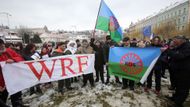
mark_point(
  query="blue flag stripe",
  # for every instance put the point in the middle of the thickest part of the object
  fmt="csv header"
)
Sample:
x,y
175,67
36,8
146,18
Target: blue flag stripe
x,y
146,54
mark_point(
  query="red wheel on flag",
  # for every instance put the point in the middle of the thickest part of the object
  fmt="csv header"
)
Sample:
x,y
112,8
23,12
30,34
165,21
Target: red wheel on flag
x,y
131,63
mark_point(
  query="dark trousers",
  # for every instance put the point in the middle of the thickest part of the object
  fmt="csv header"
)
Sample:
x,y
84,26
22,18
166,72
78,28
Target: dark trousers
x,y
172,78
127,82
16,99
3,98
32,89
3,104
164,67
181,92
61,83
89,77
157,73
99,73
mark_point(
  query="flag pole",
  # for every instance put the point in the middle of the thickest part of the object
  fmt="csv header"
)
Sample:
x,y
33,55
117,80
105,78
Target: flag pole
x,y
93,35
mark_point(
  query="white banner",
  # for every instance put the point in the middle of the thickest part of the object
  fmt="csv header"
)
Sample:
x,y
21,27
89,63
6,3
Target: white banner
x,y
22,75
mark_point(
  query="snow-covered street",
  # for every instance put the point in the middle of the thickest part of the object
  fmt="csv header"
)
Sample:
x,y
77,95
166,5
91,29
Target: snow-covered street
x,y
101,95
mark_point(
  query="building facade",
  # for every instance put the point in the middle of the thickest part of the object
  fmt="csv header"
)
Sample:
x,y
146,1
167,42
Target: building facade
x,y
177,14
9,35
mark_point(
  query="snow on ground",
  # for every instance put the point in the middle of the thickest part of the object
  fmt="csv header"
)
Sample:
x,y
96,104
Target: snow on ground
x,y
101,95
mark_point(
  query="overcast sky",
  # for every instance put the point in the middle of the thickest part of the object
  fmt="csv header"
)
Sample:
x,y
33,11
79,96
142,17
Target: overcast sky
x,y
65,14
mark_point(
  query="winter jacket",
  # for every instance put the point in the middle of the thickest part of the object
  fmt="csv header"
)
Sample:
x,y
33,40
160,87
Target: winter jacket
x,y
8,54
158,64
83,50
99,56
180,62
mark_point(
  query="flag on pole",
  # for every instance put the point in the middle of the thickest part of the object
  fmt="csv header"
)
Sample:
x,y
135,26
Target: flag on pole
x,y
107,21
147,31
133,63
152,36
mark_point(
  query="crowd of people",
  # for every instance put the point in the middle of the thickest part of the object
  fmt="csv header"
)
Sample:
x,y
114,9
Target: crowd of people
x,y
175,58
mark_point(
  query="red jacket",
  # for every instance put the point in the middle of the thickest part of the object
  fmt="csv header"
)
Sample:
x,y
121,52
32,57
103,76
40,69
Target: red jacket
x,y
8,54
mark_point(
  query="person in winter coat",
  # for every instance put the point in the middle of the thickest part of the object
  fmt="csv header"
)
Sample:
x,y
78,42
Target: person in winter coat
x,y
71,50
127,82
9,56
156,70
31,54
59,51
86,49
109,43
180,56
99,61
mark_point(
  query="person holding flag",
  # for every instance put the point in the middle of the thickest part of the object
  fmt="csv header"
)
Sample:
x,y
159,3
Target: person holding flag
x,y
127,82
157,69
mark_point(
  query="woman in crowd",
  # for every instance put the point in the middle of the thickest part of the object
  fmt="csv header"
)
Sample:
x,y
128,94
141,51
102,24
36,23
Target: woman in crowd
x,y
71,50
31,54
59,51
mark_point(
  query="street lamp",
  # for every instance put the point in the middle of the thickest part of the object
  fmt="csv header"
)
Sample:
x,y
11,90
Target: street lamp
x,y
8,23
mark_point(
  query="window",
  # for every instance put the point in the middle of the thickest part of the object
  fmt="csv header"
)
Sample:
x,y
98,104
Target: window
x,y
175,13
179,20
183,27
184,10
179,12
184,19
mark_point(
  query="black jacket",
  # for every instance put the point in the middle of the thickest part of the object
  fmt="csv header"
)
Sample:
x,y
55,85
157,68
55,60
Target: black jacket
x,y
180,61
106,49
158,64
99,56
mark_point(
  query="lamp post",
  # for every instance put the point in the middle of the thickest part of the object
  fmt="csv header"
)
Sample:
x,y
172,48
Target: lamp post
x,y
189,12
8,23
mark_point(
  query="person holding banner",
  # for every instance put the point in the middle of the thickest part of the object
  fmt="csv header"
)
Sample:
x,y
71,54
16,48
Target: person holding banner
x,y
86,49
126,82
31,54
59,51
71,50
9,56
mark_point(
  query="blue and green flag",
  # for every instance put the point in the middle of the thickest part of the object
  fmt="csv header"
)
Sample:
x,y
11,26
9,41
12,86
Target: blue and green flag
x,y
132,63
107,21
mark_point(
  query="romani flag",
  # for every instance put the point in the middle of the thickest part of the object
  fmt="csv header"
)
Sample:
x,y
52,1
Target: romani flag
x,y
132,63
107,21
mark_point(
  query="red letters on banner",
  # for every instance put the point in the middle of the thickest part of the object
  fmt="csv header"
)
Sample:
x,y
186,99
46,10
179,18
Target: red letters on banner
x,y
49,72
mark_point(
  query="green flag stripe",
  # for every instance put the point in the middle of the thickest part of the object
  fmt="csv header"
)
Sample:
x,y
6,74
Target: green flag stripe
x,y
115,69
102,23
116,36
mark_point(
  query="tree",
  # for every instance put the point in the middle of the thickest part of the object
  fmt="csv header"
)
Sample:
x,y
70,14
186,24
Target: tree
x,y
26,38
166,30
36,39
25,34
